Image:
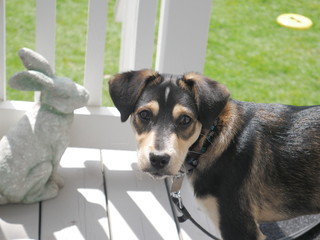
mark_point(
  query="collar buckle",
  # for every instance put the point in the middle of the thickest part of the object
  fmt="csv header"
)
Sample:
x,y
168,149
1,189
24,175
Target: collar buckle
x,y
177,181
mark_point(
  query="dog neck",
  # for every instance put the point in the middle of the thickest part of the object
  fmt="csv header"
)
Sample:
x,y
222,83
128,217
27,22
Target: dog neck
x,y
227,126
213,141
200,146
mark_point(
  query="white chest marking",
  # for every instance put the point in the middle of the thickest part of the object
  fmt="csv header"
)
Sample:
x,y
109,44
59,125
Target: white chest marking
x,y
210,204
166,94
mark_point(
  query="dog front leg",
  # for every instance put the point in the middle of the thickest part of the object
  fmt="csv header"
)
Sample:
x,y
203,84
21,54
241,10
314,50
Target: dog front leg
x,y
238,224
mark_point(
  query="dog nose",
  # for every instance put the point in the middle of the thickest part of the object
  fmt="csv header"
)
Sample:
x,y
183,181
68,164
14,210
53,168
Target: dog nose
x,y
159,161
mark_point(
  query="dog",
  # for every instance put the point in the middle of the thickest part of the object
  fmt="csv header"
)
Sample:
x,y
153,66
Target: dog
x,y
255,162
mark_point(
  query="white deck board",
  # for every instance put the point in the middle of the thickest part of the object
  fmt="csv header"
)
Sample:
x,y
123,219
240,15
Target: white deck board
x,y
19,221
79,211
139,207
134,206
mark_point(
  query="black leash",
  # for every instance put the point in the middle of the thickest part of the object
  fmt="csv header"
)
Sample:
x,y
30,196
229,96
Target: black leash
x,y
185,215
191,163
177,200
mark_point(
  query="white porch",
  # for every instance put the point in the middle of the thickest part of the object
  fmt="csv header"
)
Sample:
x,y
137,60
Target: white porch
x,y
105,196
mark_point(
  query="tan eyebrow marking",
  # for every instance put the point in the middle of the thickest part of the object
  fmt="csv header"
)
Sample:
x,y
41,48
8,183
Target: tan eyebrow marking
x,y
179,110
152,105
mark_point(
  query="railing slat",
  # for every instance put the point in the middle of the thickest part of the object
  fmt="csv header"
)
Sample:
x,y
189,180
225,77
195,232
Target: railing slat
x,y
45,29
119,10
46,32
183,33
93,76
137,37
2,50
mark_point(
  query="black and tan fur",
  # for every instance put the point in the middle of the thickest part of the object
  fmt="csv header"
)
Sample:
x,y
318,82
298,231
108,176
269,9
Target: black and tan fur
x,y
264,161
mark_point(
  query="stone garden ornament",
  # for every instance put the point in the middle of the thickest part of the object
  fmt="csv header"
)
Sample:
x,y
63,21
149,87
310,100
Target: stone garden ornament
x,y
31,150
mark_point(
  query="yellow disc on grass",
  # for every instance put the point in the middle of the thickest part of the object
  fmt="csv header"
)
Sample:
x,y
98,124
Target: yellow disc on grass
x,y
295,21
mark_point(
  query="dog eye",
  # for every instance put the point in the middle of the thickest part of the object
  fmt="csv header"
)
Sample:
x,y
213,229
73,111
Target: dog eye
x,y
145,115
185,120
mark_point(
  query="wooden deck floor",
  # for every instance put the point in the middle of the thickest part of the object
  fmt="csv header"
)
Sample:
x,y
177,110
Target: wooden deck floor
x,y
104,197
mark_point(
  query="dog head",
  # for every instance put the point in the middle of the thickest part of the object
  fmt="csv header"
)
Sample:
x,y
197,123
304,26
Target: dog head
x,y
167,114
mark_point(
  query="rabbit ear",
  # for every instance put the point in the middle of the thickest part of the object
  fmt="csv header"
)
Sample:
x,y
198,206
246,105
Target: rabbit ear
x,y
30,81
34,61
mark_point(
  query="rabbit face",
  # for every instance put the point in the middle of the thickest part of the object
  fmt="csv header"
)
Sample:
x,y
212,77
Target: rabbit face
x,y
64,95
58,92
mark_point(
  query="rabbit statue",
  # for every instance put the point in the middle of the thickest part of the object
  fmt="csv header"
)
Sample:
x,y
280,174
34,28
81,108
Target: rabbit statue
x,y
31,150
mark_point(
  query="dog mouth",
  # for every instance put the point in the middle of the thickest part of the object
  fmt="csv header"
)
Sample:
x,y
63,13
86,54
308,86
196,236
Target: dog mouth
x,y
158,175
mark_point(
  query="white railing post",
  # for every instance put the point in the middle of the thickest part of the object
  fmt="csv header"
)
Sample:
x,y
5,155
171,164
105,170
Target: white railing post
x,y
94,66
183,34
138,19
45,31
2,50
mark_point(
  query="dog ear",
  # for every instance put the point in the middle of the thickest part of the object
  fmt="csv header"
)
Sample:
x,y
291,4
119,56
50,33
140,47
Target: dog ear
x,y
126,88
210,96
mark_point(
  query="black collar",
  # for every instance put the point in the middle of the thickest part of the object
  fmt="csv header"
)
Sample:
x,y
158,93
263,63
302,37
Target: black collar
x,y
193,155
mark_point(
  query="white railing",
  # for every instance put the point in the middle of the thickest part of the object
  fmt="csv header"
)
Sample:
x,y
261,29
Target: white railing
x,y
2,51
181,46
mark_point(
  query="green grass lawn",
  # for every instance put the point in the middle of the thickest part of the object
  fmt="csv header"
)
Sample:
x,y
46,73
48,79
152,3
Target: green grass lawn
x,y
258,59
247,50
